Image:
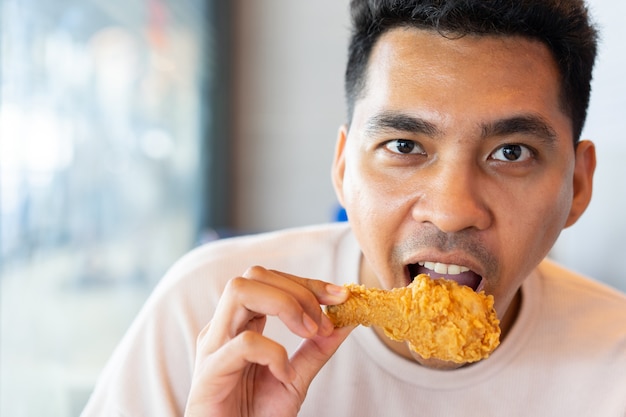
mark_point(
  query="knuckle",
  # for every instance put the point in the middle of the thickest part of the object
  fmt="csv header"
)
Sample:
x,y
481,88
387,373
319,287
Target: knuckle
x,y
235,285
247,338
253,271
312,285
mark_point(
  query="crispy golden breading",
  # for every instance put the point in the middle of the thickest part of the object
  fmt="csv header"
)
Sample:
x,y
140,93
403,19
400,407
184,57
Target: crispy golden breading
x,y
438,317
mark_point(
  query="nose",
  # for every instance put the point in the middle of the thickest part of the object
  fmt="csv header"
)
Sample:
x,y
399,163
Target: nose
x,y
454,198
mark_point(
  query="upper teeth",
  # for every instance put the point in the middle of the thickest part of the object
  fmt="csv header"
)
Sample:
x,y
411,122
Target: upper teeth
x,y
444,268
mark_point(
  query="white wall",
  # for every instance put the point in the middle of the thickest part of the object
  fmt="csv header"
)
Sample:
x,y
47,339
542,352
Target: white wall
x,y
291,56
596,245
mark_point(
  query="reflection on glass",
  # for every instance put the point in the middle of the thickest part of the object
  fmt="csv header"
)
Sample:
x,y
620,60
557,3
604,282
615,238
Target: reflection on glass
x,y
100,134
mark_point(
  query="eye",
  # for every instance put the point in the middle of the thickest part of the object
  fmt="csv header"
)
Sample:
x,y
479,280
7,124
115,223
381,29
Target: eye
x,y
512,153
404,146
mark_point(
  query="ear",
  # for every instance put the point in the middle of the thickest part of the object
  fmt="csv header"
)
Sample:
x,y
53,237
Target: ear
x,y
339,162
584,168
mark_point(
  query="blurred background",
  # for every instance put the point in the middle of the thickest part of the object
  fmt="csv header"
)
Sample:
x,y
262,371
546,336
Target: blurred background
x,y
132,131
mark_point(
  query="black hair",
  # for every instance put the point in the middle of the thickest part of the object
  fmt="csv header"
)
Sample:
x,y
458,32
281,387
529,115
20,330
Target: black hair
x,y
564,26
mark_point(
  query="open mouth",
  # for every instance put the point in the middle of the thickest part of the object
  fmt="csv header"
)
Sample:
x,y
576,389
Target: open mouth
x,y
461,274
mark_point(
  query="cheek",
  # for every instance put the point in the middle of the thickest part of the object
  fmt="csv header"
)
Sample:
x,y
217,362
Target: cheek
x,y
376,211
364,203
556,206
533,230
375,200
526,235
363,192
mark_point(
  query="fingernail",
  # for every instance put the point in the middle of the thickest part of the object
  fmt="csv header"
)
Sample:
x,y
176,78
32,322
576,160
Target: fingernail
x,y
337,291
310,325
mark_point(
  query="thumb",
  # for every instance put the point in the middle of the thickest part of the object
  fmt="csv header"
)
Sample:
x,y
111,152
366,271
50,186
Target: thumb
x,y
313,354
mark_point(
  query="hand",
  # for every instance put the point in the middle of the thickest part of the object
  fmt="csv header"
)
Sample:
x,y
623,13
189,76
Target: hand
x,y
240,372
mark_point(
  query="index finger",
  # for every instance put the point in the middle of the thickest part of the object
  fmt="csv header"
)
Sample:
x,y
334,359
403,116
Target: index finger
x,y
309,293
326,293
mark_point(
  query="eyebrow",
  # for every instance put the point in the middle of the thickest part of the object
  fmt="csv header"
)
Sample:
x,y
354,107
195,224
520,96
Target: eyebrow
x,y
532,125
528,124
391,121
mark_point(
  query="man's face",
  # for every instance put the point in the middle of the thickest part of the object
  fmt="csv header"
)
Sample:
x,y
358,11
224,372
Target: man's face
x,y
459,161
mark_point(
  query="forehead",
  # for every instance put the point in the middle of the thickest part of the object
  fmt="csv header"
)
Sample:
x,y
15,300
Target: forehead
x,y
412,41
421,70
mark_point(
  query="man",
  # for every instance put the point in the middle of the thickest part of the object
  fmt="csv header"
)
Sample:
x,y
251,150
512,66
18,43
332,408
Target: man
x,y
461,153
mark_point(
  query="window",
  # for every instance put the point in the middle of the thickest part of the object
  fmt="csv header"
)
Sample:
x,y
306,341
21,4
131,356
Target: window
x,y
101,137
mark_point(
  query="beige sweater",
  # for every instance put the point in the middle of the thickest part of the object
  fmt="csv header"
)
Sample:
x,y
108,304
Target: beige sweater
x,y
565,356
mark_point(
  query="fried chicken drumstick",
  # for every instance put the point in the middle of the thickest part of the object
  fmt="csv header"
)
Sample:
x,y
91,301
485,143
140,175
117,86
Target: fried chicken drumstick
x,y
437,317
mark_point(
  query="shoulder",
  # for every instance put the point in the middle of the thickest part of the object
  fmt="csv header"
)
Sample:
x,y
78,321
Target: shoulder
x,y
580,331
572,284
191,288
582,305
301,251
293,240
